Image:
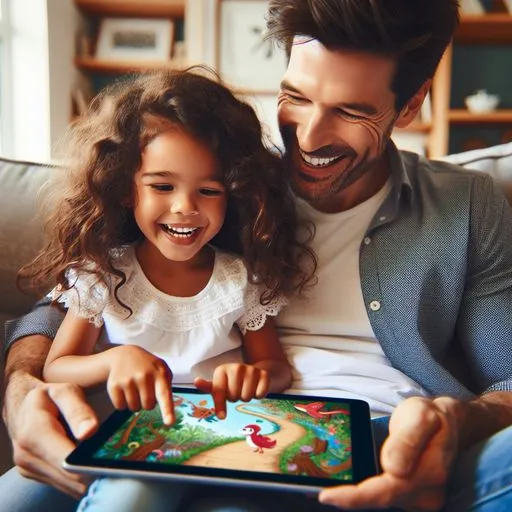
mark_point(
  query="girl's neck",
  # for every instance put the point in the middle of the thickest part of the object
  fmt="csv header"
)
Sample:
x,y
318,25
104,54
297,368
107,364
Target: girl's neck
x,y
176,278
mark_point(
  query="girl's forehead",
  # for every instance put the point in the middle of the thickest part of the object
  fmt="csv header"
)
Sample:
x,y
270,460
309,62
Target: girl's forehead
x,y
176,151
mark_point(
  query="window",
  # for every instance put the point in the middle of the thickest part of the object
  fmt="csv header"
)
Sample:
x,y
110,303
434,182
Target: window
x,y
5,78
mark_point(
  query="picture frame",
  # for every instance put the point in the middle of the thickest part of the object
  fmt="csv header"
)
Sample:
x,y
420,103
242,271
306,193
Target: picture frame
x,y
243,58
471,7
135,39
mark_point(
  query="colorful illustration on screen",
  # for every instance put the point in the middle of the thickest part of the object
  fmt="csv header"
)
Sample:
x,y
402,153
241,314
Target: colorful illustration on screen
x,y
291,437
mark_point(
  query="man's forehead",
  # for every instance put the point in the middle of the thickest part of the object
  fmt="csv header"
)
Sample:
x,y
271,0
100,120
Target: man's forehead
x,y
315,68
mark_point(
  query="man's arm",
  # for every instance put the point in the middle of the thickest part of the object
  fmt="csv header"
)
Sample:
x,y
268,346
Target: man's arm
x,y
32,409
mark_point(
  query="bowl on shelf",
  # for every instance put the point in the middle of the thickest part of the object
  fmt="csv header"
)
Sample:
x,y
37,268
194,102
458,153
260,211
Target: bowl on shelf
x,y
482,101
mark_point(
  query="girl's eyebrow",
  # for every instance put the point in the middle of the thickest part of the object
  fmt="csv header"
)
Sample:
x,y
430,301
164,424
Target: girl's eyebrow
x,y
170,174
160,174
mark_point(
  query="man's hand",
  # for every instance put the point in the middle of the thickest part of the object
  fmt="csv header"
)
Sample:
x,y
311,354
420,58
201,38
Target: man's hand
x,y
40,442
139,380
234,382
416,460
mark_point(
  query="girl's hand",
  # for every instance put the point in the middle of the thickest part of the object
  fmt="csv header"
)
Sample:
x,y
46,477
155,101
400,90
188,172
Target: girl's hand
x,y
138,380
234,382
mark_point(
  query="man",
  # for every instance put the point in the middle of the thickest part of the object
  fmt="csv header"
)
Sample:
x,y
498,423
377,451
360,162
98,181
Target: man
x,y
412,308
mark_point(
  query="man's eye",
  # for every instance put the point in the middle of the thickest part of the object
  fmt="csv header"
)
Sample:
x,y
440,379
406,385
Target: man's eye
x,y
349,115
162,188
210,192
294,99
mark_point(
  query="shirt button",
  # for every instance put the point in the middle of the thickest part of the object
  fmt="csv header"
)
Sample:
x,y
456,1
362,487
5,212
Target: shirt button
x,y
375,305
382,218
367,240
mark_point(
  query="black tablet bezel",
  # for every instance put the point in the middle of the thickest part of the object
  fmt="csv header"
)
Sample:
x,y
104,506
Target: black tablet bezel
x,y
363,454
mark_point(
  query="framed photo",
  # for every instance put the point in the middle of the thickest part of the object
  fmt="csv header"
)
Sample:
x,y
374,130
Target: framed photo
x,y
134,39
472,7
243,58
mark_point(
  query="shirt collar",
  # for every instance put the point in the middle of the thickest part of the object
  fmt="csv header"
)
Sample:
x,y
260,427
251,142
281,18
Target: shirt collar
x,y
401,186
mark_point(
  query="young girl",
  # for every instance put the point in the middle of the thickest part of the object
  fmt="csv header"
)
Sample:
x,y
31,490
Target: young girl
x,y
175,232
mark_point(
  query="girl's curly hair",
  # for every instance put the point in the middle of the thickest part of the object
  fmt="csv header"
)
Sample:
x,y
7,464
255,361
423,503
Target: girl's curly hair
x,y
91,217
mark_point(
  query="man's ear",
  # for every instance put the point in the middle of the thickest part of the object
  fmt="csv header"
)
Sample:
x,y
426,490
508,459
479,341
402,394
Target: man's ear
x,y
412,107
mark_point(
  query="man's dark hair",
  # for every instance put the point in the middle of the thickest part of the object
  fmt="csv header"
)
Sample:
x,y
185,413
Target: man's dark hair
x,y
414,32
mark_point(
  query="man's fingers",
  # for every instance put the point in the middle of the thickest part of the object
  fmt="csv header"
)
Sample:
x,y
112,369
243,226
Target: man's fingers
x,y
43,461
69,483
412,426
380,491
78,414
164,398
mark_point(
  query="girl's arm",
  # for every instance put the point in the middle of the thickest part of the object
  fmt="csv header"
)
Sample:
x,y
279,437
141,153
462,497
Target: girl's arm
x,y
263,350
71,357
135,378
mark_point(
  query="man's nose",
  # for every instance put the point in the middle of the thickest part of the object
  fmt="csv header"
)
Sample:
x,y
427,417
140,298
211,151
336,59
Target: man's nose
x,y
184,203
314,130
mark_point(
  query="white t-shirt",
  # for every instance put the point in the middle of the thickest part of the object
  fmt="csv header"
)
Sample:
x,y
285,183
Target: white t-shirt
x,y
327,335
192,334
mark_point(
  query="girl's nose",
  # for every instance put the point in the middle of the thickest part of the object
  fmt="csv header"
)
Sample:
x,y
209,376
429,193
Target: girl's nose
x,y
184,204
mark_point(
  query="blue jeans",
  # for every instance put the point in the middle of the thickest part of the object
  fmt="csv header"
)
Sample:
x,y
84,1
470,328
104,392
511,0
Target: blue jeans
x,y
481,482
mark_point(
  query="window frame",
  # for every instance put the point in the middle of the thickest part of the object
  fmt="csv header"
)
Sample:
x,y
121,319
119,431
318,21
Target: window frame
x,y
6,142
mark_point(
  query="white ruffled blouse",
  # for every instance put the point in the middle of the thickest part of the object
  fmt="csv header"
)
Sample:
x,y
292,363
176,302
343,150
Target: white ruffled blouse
x,y
192,334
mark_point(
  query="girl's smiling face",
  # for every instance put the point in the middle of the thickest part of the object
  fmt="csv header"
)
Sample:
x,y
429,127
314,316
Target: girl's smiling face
x,y
179,198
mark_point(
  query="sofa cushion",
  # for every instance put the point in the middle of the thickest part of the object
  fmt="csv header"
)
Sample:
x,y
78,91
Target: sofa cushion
x,y
495,160
20,229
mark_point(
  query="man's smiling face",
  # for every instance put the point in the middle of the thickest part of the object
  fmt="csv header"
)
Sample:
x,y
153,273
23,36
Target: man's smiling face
x,y
336,113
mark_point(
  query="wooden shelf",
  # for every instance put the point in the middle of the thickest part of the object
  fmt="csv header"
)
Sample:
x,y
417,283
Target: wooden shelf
x,y
134,8
91,64
491,28
462,116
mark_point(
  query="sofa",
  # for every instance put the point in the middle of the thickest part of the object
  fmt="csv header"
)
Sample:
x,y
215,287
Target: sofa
x,y
21,233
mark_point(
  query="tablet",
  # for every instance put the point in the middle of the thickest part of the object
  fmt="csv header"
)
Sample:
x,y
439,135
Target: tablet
x,y
290,442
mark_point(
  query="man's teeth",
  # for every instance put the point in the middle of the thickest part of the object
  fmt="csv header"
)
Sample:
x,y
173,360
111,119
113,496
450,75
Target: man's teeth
x,y
318,162
179,232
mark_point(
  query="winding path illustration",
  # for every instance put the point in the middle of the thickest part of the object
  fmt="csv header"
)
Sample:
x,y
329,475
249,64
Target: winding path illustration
x,y
240,456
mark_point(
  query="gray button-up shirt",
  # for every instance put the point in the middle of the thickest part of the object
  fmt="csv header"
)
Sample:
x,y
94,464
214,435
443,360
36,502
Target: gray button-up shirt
x,y
436,274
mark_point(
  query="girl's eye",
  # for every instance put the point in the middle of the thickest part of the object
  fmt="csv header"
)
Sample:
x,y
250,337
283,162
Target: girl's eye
x,y
210,192
162,188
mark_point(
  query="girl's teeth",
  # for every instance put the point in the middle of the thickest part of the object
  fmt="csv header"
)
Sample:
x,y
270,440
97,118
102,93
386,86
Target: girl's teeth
x,y
179,231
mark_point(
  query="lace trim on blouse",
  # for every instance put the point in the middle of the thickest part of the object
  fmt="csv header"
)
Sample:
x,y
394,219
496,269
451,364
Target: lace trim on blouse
x,y
228,291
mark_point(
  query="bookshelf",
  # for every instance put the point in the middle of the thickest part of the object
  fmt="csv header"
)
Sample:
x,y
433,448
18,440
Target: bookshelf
x,y
95,72
493,28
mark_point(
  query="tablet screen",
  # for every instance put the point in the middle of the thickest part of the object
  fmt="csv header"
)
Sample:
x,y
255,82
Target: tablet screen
x,y
286,437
